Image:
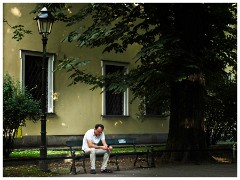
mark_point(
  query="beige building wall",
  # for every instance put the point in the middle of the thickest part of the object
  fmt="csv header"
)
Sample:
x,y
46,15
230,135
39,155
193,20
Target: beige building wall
x,y
76,108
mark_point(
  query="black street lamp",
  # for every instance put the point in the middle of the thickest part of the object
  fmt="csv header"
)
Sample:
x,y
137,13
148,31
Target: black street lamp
x,y
44,21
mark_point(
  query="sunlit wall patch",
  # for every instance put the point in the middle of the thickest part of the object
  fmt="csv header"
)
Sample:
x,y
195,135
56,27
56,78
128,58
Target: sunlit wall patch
x,y
16,12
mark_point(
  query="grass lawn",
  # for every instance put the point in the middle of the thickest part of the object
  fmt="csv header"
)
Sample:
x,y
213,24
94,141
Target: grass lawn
x,y
35,153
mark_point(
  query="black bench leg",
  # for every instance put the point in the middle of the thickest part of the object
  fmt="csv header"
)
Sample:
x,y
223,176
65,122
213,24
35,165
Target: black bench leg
x,y
135,160
84,166
147,158
153,158
116,162
73,167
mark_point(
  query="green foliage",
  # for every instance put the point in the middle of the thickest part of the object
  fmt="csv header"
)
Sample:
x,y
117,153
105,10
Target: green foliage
x,y
18,106
60,10
221,113
175,39
74,66
116,82
18,31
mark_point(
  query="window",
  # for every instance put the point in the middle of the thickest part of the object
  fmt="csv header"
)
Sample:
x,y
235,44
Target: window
x,y
31,75
114,104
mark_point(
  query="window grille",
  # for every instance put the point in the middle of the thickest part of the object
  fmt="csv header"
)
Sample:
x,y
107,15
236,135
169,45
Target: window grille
x,y
33,76
114,103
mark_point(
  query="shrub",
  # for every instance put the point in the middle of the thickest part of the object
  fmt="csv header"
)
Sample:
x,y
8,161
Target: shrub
x,y
18,106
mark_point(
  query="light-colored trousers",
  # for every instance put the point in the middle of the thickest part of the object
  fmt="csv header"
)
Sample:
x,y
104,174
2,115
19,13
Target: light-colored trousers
x,y
93,152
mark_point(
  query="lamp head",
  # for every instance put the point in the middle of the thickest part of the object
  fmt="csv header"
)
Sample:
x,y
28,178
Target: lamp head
x,y
45,22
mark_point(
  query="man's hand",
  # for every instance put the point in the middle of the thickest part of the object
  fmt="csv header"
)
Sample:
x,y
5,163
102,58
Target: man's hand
x,y
109,148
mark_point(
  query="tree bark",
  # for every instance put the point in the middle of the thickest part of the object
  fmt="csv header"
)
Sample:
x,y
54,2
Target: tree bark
x,y
186,139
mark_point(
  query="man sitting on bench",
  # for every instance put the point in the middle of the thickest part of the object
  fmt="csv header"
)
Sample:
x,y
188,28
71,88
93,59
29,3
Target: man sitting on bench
x,y
90,145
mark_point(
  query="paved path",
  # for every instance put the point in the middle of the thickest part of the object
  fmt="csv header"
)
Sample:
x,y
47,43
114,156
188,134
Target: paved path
x,y
190,170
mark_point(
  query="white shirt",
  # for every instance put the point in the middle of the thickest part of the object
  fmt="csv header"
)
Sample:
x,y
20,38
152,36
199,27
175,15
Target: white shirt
x,y
89,135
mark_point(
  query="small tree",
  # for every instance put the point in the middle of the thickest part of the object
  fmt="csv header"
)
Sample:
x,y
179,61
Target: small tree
x,y
18,106
221,113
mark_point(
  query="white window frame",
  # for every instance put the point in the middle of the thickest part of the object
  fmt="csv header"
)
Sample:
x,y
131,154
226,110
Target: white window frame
x,y
125,94
50,56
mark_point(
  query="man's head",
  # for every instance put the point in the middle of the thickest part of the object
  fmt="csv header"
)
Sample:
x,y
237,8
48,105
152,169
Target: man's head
x,y
98,129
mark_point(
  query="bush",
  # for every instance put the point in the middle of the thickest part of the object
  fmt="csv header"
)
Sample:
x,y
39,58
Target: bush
x,y
221,114
18,106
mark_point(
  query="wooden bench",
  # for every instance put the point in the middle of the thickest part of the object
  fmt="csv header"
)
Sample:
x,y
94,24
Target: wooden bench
x,y
76,146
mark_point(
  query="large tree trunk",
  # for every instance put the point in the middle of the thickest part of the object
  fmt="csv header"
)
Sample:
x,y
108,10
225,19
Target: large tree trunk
x,y
186,139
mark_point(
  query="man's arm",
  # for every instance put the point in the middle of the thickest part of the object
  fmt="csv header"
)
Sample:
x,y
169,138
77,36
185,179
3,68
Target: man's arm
x,y
91,145
105,144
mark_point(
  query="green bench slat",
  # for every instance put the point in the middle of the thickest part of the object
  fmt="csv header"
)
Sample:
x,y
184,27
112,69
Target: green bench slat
x,y
74,143
120,141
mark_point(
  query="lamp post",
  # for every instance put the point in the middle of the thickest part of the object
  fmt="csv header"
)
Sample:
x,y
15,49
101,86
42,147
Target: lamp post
x,y
44,21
